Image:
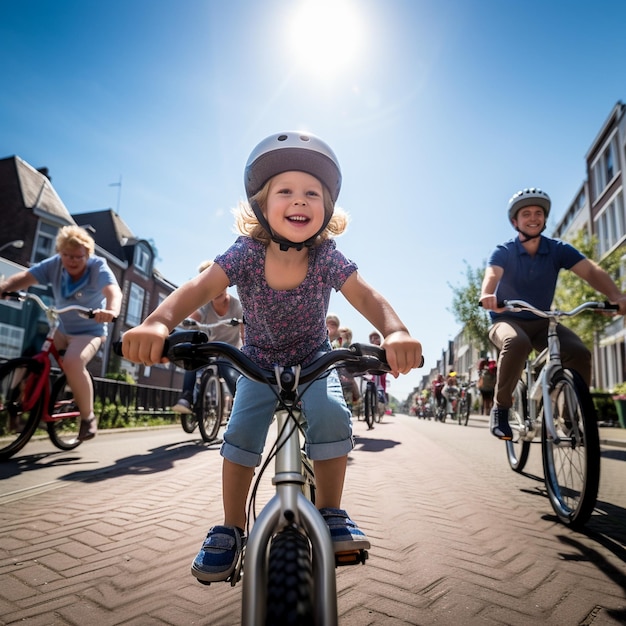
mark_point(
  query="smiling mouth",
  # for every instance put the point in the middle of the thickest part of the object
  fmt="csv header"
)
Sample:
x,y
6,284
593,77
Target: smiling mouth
x,y
298,219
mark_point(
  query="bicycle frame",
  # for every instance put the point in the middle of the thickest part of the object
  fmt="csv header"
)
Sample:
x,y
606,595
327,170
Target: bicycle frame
x,y
286,506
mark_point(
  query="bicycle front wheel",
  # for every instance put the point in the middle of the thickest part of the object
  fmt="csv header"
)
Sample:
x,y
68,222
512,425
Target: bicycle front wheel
x,y
572,466
370,405
64,424
18,419
210,418
188,422
518,448
289,580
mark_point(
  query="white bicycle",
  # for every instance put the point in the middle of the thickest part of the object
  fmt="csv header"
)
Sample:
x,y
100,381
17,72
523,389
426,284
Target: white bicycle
x,y
552,405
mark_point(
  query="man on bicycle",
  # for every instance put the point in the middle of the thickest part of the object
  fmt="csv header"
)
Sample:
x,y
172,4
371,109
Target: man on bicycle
x,y
527,268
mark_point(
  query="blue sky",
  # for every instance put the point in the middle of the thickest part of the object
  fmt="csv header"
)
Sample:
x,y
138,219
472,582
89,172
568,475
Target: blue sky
x,y
439,110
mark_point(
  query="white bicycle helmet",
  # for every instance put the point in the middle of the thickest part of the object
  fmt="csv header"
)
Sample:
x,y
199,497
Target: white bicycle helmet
x,y
285,152
529,197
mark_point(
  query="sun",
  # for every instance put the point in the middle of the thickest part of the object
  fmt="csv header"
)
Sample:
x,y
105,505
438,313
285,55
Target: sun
x,y
325,35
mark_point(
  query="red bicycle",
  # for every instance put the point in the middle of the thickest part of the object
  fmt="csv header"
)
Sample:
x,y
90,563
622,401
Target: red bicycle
x,y
30,393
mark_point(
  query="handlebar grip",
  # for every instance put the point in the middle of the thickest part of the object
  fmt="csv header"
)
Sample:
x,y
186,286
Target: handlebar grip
x,y
608,306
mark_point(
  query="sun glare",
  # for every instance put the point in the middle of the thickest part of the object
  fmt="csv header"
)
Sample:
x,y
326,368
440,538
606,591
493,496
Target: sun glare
x,y
325,35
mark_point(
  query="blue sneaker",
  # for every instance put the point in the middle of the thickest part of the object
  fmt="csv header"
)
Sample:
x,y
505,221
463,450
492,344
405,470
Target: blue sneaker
x,y
220,552
345,534
499,424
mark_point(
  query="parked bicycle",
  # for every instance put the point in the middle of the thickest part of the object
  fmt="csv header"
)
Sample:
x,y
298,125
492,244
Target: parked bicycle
x,y
209,396
31,394
289,559
552,404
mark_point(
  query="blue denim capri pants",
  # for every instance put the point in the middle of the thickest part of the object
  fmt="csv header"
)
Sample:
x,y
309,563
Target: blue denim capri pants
x,y
328,421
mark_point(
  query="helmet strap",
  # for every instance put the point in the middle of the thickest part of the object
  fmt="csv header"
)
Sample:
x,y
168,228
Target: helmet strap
x,y
529,237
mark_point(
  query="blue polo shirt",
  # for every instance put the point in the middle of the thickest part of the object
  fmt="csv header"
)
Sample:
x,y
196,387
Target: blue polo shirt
x,y
531,278
98,276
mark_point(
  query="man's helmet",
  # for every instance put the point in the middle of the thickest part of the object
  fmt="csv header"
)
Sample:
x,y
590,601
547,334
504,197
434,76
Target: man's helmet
x,y
529,197
291,151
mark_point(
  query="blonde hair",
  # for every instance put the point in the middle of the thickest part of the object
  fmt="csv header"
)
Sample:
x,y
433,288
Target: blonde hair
x,y
204,266
74,237
246,222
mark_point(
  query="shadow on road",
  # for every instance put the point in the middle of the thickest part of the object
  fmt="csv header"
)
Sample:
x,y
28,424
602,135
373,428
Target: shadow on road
x,y
43,460
367,444
590,555
155,460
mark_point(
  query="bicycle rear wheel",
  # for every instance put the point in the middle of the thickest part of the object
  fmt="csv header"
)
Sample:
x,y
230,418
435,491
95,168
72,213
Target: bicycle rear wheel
x,y
518,448
64,413
18,377
370,402
210,417
572,466
289,580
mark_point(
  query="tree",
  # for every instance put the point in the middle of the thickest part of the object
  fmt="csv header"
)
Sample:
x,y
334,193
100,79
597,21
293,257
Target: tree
x,y
572,290
465,307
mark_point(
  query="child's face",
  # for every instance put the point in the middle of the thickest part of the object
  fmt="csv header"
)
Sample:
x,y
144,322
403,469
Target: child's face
x,y
295,206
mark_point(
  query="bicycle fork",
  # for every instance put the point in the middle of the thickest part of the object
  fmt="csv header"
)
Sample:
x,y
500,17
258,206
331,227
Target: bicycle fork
x,y
288,506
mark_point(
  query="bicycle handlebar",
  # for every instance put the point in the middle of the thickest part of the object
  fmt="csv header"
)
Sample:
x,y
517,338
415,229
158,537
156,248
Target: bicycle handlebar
x,y
191,350
521,305
20,296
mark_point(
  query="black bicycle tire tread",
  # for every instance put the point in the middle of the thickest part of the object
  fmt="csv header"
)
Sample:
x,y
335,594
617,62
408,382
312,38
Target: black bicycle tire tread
x,y
209,434
583,512
289,580
31,425
517,462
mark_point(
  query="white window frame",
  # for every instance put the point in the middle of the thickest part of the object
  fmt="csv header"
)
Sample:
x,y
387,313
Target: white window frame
x,y
44,241
134,310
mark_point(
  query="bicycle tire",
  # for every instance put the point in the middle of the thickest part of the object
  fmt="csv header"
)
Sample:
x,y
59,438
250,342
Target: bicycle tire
x,y
189,422
460,411
370,405
468,407
572,468
63,431
518,448
17,425
289,580
211,407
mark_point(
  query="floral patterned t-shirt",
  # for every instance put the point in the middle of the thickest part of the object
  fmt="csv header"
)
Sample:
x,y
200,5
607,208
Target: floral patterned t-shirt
x,y
284,327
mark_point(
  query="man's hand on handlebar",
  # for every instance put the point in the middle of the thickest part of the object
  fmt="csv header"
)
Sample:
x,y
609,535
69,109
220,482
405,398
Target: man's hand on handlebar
x,y
490,303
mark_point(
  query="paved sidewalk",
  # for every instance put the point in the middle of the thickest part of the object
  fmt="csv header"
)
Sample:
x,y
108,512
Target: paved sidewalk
x,y
457,538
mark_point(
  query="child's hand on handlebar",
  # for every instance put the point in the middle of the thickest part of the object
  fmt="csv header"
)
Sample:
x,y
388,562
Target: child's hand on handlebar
x,y
144,343
403,352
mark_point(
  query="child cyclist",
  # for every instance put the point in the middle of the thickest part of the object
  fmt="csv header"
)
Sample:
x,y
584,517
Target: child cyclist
x,y
284,264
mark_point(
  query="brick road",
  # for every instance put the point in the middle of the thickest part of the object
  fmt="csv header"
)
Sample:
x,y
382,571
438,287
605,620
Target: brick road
x,y
457,538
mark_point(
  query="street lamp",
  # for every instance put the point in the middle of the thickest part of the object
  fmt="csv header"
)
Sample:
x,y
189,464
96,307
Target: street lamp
x,y
18,243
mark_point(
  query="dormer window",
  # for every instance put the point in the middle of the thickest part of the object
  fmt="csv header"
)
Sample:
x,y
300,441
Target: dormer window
x,y
142,259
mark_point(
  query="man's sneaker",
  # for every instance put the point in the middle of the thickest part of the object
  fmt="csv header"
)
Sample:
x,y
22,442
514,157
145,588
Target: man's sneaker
x,y
499,424
183,406
345,534
219,554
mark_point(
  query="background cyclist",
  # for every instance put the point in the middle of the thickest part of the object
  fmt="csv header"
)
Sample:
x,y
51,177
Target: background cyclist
x,y
76,276
527,268
222,308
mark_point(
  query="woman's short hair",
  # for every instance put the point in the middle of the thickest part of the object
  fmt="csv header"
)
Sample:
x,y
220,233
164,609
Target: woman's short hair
x,y
74,237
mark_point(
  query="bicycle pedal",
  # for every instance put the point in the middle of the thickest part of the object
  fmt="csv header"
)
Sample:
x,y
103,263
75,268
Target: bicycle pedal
x,y
351,557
